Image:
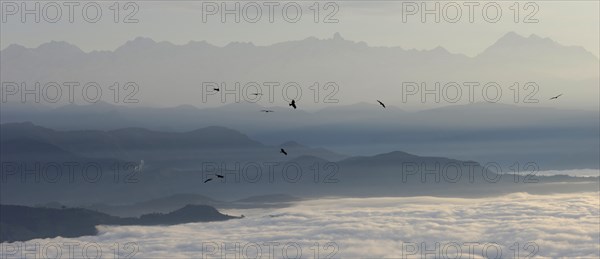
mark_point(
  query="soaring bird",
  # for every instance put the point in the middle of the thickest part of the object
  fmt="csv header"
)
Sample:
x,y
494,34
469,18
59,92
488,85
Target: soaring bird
x,y
283,151
220,176
216,89
267,111
381,103
257,94
293,103
207,180
555,97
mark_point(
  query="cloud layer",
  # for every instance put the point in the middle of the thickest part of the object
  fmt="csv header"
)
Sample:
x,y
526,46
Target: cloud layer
x,y
549,226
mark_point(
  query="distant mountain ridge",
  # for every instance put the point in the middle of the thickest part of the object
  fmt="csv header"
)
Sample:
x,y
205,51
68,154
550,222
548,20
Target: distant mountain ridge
x,y
140,43
250,168
371,128
352,65
129,138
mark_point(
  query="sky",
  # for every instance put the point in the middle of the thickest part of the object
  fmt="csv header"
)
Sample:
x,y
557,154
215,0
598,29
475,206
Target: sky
x,y
378,23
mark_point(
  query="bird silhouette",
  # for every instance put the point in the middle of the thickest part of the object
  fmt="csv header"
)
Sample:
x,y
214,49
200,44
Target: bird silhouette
x,y
207,180
555,97
293,104
381,103
257,94
220,176
283,151
267,111
216,89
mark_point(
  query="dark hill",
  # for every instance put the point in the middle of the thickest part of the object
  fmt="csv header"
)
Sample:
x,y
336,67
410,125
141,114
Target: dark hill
x,y
20,223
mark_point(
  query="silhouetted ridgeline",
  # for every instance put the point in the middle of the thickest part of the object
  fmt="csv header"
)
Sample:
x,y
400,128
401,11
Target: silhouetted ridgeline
x,y
511,57
33,162
434,132
20,223
172,202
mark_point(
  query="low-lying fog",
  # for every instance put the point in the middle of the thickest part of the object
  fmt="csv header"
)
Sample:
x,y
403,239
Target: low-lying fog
x,y
545,226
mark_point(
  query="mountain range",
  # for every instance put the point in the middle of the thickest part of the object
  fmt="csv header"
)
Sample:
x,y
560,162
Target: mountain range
x,y
357,68
483,132
248,167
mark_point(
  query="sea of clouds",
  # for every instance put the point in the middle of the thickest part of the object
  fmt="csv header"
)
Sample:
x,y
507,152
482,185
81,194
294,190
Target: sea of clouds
x,y
516,225
570,172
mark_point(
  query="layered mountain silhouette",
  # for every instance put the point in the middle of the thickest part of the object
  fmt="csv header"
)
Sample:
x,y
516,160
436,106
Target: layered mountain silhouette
x,y
21,223
354,66
437,131
130,138
249,169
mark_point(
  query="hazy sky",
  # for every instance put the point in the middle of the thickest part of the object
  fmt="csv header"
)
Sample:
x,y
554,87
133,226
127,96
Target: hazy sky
x,y
377,23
